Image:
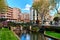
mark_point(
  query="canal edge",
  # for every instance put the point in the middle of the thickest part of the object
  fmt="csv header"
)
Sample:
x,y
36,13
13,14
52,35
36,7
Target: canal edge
x,y
15,34
51,36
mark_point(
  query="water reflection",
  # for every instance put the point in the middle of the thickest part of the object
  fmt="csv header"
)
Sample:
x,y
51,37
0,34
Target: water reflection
x,y
33,36
47,38
25,36
50,39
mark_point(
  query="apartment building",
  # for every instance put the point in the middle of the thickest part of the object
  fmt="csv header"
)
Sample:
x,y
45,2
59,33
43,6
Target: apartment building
x,y
9,13
15,15
33,16
12,14
24,17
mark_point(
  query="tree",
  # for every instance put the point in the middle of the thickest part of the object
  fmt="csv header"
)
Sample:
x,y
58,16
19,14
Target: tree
x,y
54,4
56,15
10,23
56,19
3,6
42,7
36,7
3,19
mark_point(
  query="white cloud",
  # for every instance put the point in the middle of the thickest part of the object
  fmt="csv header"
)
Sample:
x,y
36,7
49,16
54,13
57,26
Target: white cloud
x,y
27,7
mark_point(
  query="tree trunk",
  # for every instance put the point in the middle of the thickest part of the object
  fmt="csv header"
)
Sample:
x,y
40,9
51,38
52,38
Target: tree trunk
x,y
33,16
37,21
42,18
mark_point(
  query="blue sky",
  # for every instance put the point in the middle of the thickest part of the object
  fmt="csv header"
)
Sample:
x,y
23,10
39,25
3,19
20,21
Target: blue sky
x,y
24,5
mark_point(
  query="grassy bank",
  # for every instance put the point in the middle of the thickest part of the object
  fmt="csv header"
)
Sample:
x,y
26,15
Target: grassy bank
x,y
6,34
53,34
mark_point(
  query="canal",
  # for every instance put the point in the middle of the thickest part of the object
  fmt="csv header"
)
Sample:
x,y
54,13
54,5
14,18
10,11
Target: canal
x,y
33,36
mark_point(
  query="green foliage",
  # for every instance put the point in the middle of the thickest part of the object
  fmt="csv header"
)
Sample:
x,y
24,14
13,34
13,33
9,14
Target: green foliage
x,y
54,29
3,19
26,24
57,15
41,5
11,24
56,19
36,5
18,24
35,29
3,6
54,6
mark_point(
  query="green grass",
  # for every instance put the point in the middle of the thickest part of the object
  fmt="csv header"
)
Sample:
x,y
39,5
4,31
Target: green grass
x,y
53,34
6,34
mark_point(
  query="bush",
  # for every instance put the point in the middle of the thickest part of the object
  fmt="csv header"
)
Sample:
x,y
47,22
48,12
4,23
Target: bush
x,y
53,29
35,29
